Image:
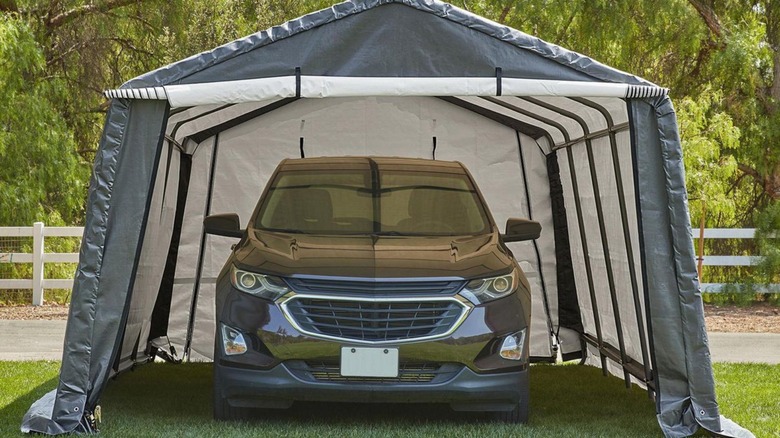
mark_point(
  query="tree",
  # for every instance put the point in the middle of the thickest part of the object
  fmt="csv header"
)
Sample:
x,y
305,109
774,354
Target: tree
x,y
57,57
767,236
41,177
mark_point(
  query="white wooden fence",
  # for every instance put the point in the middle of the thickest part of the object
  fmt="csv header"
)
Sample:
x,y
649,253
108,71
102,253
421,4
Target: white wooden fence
x,y
731,260
38,258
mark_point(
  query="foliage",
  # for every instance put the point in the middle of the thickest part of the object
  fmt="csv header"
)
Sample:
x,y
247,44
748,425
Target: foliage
x,y
767,238
731,296
56,57
643,38
707,133
210,24
41,177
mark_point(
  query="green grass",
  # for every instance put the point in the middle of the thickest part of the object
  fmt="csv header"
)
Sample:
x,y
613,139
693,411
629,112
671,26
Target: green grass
x,y
170,400
750,395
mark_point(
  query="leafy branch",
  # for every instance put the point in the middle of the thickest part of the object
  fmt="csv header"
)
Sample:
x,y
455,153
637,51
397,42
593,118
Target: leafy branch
x,y
65,17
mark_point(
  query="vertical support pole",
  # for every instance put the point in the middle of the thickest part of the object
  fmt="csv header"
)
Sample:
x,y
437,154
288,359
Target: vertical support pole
x,y
37,280
700,260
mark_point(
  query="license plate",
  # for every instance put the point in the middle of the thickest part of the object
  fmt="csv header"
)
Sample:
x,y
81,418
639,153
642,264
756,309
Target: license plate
x,y
369,362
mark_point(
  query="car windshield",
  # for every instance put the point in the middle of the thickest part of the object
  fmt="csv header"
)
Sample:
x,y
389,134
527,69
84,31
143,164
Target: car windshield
x,y
376,202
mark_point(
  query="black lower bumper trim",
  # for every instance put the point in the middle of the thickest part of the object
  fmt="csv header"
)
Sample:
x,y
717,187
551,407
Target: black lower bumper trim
x,y
278,387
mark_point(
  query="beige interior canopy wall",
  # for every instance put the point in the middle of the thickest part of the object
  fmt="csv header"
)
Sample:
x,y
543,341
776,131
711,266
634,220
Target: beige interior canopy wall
x,y
248,153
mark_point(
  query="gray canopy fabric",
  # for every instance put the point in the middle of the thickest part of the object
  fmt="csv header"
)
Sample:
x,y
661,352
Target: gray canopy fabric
x,y
590,152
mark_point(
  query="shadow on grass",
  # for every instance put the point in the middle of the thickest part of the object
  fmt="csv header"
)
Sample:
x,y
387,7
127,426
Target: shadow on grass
x,y
565,400
12,413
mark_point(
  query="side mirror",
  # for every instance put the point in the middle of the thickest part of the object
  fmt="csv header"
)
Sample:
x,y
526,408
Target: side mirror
x,y
518,230
223,225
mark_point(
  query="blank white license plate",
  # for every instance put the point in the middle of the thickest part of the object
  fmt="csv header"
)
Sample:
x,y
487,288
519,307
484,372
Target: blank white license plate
x,y
369,362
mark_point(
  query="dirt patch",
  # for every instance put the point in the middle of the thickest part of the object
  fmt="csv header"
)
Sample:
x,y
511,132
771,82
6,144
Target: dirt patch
x,y
46,311
757,318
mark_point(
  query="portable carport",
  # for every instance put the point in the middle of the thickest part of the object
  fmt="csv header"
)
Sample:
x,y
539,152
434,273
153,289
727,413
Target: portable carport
x,y
591,152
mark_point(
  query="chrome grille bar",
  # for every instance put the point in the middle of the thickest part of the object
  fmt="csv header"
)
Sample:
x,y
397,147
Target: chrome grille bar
x,y
374,320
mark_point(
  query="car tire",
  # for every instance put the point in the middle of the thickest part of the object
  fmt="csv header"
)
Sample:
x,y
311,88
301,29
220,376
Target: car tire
x,y
518,415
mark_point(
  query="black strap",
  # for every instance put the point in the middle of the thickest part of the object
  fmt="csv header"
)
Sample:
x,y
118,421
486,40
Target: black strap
x,y
499,74
297,82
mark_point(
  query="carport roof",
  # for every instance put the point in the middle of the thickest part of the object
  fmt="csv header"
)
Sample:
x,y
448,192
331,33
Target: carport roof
x,y
515,79
475,33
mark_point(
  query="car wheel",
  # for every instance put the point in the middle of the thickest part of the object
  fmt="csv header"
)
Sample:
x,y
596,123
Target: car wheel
x,y
518,415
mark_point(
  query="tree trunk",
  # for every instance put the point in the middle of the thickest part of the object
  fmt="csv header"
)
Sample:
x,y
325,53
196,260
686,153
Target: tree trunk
x,y
772,178
709,17
773,38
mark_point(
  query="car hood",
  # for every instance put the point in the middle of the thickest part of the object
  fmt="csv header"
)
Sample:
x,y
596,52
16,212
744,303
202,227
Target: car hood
x,y
285,255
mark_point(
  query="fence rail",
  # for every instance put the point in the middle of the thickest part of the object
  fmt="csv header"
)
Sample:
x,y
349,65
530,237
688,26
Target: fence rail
x,y
731,260
38,258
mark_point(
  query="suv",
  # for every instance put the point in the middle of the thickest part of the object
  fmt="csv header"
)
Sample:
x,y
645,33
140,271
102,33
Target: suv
x,y
362,279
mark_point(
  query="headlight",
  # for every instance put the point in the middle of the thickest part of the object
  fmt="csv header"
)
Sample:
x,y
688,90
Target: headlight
x,y
488,289
259,285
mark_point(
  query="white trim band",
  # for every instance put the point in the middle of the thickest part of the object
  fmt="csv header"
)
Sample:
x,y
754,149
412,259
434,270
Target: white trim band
x,y
254,90
153,93
335,86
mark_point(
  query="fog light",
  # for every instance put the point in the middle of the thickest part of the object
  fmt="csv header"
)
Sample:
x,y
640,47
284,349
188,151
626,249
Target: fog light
x,y
512,348
233,341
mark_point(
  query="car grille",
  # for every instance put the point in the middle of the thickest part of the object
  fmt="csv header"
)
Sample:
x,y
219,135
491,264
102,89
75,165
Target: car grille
x,y
374,320
408,373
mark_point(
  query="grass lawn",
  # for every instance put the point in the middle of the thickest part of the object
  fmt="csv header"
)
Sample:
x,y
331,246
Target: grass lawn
x,y
170,400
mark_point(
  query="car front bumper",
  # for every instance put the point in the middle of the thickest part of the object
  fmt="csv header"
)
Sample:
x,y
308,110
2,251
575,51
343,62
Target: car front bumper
x,y
280,386
275,370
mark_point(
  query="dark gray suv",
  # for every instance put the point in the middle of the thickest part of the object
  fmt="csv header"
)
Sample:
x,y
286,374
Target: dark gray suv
x,y
362,279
